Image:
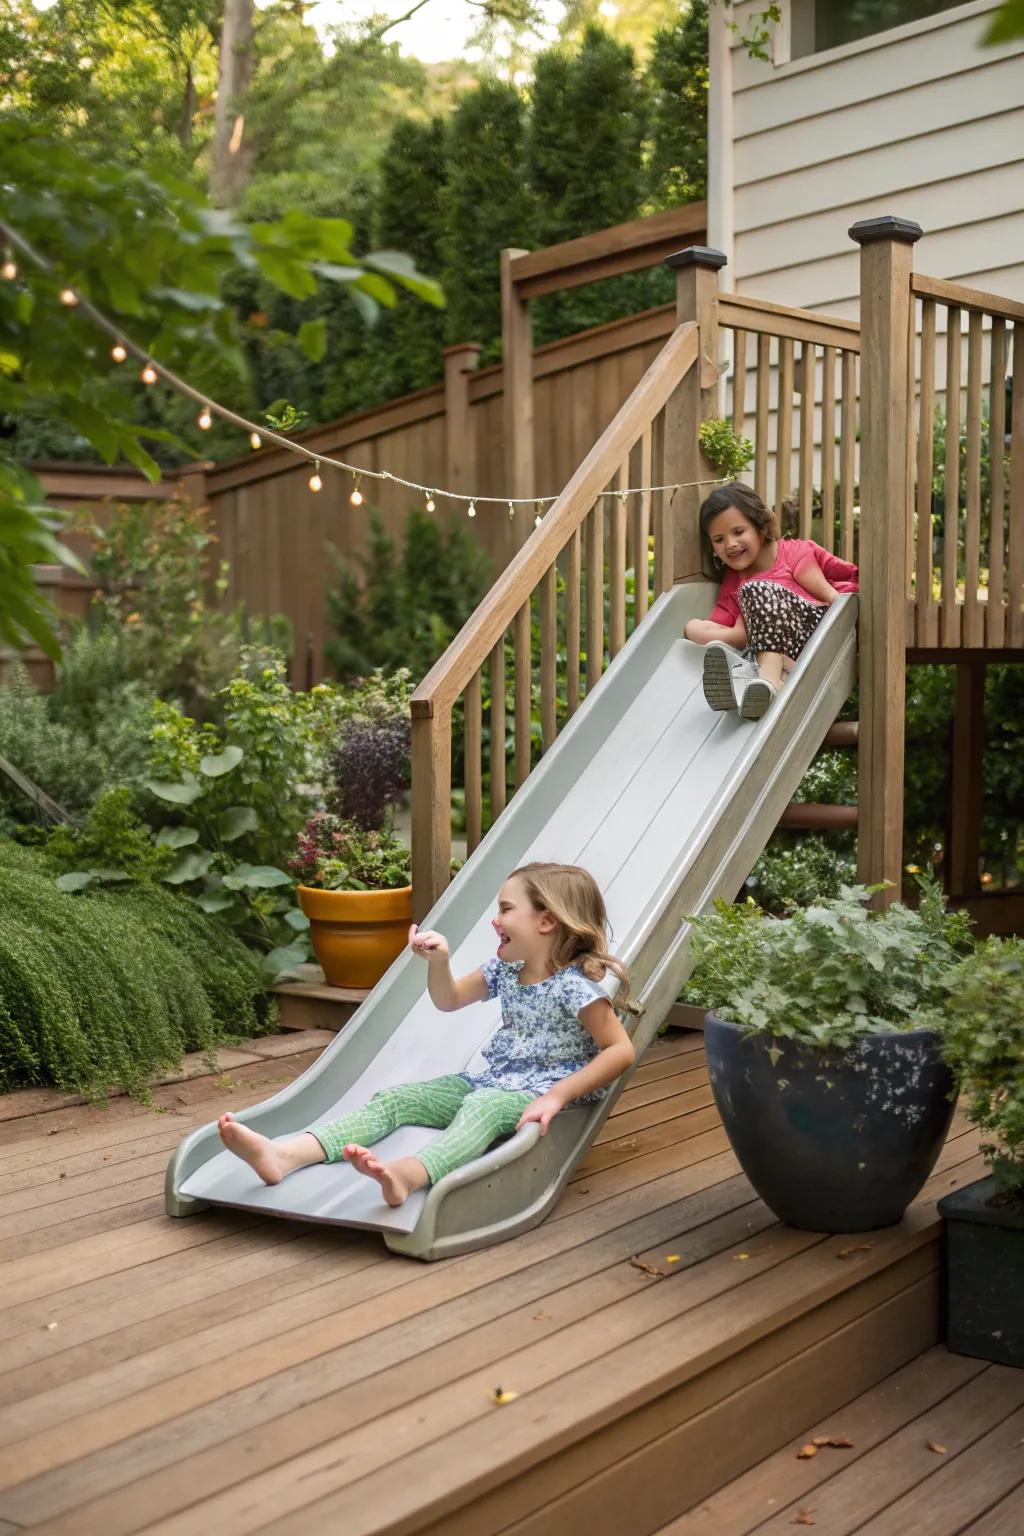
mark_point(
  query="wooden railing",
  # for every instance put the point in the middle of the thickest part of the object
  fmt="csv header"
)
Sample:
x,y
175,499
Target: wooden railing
x,y
967,540
545,632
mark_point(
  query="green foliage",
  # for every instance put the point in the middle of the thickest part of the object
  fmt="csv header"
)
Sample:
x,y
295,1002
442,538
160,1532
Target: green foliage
x,y
832,972
103,989
677,80
798,870
1006,24
401,609
111,844
337,855
725,449
982,1021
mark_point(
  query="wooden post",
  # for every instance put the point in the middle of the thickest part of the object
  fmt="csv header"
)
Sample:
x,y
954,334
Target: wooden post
x,y
886,262
695,400
431,807
517,385
459,437
963,844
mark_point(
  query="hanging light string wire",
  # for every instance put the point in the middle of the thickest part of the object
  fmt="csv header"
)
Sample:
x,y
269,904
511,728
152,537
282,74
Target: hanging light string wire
x,y
71,297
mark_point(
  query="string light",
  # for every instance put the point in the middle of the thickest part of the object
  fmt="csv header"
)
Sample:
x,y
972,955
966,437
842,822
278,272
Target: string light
x,y
257,438
538,519
204,420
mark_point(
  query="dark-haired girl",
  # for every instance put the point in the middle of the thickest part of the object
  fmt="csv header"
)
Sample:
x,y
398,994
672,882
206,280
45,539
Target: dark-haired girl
x,y
772,597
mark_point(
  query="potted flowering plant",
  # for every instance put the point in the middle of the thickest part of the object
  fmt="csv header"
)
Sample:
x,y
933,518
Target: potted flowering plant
x,y
823,1050
355,880
983,1033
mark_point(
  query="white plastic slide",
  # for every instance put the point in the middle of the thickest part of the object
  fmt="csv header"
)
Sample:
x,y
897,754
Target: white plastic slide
x,y
668,804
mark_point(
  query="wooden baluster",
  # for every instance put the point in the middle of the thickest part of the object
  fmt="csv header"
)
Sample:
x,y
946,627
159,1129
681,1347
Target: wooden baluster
x,y
974,617
524,690
806,493
641,525
617,563
784,427
739,382
1015,573
431,807
848,458
661,504
595,593
828,448
949,617
548,656
995,624
572,624
764,378
927,625
497,665
474,764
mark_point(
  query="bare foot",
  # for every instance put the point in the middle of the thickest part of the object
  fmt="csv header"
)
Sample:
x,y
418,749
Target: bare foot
x,y
397,1180
258,1151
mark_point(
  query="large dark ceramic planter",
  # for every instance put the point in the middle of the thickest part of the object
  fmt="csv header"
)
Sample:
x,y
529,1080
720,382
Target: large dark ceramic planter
x,y
833,1141
984,1275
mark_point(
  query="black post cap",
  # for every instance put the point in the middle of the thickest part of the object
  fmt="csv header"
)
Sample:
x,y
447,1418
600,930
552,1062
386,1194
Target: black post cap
x,y
887,227
697,256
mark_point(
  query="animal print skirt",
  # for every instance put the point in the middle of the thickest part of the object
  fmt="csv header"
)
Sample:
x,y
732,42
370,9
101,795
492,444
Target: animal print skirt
x,y
777,619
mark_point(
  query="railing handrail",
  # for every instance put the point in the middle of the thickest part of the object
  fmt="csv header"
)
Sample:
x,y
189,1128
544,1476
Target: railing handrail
x,y
449,675
742,312
960,297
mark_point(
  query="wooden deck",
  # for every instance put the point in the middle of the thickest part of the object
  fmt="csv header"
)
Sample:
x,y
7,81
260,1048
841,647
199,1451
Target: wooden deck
x,y
656,1337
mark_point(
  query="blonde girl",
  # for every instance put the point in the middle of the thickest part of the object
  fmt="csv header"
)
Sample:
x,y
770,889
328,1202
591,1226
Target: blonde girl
x,y
559,1042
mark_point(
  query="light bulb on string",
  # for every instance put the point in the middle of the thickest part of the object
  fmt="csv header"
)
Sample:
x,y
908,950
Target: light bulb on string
x,y
69,297
315,482
356,498
430,501
255,441
149,374
471,509
204,421
118,352
9,270
511,511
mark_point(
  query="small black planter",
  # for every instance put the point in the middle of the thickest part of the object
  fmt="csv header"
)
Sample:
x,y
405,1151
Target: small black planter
x,y
833,1141
984,1275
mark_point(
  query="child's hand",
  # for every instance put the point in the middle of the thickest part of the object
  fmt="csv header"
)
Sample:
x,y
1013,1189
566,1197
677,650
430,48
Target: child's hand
x,y
430,946
543,1110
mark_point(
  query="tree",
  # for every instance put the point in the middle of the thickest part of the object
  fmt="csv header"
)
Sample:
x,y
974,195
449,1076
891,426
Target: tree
x,y
148,251
1007,23
232,148
488,206
677,80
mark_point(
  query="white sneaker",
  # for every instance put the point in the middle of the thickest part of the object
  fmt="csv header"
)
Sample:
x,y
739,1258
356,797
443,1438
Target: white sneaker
x,y
725,673
757,698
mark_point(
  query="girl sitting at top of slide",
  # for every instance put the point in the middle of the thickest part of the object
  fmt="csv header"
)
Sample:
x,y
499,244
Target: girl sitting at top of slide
x,y
559,1042
773,595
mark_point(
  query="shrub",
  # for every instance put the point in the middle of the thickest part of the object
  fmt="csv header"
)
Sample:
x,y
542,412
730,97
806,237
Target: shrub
x,y
370,769
831,973
103,989
337,855
724,449
798,870
982,1020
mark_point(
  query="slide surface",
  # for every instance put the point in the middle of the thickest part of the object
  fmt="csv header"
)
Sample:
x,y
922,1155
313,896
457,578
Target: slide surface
x,y
668,804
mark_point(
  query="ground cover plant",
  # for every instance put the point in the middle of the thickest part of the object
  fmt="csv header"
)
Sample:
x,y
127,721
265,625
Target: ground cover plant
x,y
103,989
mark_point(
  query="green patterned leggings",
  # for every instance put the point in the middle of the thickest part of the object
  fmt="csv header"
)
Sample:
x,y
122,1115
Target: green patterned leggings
x,y
471,1119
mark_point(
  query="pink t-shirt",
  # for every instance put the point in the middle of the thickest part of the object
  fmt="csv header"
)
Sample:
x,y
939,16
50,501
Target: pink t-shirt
x,y
791,556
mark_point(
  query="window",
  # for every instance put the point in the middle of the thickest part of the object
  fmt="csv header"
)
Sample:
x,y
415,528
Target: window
x,y
820,24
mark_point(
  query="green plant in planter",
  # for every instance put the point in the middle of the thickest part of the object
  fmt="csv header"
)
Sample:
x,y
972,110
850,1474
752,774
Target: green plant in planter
x,y
338,855
982,1022
724,448
830,973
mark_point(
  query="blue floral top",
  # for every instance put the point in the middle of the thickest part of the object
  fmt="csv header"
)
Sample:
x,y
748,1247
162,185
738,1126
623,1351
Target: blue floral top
x,y
540,1038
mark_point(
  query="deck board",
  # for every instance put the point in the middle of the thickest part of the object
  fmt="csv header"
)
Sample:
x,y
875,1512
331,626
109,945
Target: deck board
x,y
233,1373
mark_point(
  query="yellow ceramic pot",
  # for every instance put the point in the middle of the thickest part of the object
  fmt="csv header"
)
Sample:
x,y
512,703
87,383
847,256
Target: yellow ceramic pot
x,y
356,934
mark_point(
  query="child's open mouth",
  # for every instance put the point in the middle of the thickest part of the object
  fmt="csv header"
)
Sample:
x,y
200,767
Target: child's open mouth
x,y
503,939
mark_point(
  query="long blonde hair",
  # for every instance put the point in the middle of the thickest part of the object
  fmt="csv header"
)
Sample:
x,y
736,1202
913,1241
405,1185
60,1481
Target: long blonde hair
x,y
571,896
